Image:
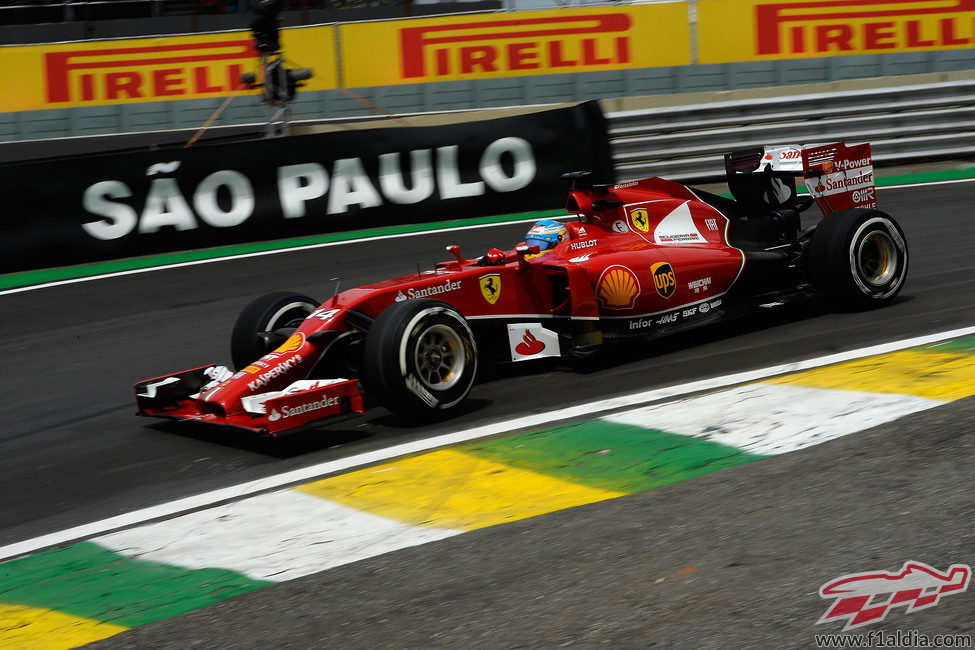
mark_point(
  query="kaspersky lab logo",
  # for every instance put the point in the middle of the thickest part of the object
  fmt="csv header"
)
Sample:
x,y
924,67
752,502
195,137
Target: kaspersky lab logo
x,y
866,598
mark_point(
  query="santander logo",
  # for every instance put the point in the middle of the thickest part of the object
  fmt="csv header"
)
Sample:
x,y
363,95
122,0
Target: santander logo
x,y
529,345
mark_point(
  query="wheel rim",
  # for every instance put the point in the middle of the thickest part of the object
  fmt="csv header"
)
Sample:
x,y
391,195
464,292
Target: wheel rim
x,y
439,358
877,258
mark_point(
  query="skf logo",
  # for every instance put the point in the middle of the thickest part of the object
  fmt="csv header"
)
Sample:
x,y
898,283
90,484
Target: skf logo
x,y
152,72
664,279
640,219
618,287
836,26
490,287
566,42
292,344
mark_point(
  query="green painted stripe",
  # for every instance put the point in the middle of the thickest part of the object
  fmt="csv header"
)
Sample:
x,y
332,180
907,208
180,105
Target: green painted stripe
x,y
611,456
964,345
92,582
926,177
27,278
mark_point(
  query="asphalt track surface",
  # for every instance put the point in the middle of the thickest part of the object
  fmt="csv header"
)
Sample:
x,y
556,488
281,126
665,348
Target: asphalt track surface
x,y
72,451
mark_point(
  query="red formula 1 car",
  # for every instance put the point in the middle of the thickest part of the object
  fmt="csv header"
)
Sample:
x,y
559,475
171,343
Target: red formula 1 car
x,y
643,258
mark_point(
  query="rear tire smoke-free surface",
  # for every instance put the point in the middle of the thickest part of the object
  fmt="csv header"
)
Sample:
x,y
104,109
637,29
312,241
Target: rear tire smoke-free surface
x,y
859,258
420,358
279,311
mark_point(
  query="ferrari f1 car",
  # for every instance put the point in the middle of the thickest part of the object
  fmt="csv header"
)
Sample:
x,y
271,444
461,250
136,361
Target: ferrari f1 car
x,y
642,258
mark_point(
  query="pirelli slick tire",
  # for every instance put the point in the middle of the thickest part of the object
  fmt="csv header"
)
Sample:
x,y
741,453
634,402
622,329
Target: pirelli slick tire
x,y
858,258
419,358
266,323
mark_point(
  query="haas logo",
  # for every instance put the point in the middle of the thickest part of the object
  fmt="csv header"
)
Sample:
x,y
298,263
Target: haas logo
x,y
916,585
529,345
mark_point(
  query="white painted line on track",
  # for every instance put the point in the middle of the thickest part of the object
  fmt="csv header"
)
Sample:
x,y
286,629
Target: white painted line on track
x,y
589,410
928,183
227,258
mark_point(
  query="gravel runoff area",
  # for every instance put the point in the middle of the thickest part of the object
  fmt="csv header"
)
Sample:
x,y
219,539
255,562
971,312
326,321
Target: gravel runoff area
x,y
732,559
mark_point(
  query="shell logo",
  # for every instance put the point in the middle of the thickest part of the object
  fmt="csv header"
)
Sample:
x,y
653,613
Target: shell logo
x,y
251,370
618,287
292,344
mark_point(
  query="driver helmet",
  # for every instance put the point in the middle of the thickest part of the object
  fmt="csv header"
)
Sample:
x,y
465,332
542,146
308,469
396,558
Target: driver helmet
x,y
546,234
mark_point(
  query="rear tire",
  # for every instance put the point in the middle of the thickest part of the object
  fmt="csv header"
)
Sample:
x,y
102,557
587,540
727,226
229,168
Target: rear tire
x,y
419,358
858,258
279,313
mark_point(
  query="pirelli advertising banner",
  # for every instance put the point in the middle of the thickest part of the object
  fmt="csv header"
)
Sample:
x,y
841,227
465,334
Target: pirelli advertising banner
x,y
150,69
816,28
484,46
119,205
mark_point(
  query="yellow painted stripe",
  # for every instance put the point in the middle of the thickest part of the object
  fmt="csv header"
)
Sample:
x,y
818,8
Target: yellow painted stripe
x,y
30,627
934,375
450,489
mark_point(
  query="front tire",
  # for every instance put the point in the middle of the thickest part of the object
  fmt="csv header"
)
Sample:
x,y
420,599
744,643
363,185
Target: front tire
x,y
266,323
859,258
419,358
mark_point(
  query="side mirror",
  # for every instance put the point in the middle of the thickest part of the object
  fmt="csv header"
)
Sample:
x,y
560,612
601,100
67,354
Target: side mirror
x,y
454,249
524,250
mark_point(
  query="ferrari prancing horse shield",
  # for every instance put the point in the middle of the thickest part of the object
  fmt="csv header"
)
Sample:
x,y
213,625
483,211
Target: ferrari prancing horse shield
x,y
640,219
491,287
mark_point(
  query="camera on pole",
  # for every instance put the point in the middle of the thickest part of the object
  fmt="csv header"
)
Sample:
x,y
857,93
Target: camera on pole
x,y
279,83
264,27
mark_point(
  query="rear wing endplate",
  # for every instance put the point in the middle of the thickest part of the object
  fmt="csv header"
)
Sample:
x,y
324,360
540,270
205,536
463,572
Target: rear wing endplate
x,y
840,177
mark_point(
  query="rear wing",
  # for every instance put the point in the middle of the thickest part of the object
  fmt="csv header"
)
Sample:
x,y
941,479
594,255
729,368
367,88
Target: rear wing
x,y
840,177
837,176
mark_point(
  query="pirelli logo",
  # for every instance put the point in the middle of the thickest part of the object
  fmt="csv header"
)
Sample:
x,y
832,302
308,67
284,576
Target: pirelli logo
x,y
145,73
851,26
555,43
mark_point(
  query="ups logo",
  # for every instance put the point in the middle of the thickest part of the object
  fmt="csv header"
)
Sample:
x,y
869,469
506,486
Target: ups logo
x,y
664,279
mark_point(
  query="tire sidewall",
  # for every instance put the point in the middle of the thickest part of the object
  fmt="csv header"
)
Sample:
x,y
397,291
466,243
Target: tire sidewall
x,y
265,313
834,258
389,365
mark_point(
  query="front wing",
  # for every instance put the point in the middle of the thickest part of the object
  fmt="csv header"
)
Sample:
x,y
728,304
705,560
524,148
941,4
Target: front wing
x,y
177,397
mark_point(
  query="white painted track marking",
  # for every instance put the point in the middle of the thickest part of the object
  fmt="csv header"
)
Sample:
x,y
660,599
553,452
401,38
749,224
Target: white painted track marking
x,y
769,419
586,411
277,536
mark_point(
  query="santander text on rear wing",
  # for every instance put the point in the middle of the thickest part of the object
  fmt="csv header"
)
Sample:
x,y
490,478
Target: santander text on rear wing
x,y
839,177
